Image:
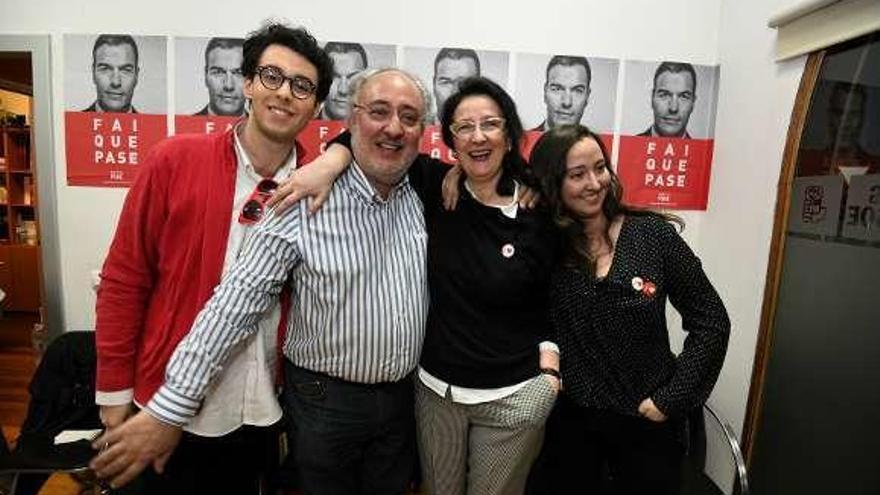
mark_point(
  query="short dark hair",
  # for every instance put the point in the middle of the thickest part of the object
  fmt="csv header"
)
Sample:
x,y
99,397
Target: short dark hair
x,y
513,165
456,54
224,43
115,40
569,60
298,40
345,47
549,164
675,68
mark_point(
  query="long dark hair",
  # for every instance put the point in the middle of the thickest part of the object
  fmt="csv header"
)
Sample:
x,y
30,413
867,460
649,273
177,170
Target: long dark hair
x,y
548,162
513,164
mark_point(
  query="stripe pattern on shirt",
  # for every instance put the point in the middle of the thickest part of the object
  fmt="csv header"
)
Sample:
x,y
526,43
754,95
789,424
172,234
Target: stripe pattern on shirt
x,y
360,295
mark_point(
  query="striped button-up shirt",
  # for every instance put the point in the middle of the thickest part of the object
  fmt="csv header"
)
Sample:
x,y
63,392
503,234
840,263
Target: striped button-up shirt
x,y
360,296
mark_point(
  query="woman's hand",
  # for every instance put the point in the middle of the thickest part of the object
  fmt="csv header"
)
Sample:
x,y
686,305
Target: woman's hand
x,y
314,181
647,409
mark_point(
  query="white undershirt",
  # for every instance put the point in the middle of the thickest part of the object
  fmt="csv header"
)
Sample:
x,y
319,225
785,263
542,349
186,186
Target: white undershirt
x,y
244,393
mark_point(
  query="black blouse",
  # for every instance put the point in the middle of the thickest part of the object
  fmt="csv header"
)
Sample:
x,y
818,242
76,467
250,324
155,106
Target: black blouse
x,y
612,331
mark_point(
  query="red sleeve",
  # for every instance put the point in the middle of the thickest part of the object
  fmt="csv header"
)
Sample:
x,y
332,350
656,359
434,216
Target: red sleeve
x,y
129,274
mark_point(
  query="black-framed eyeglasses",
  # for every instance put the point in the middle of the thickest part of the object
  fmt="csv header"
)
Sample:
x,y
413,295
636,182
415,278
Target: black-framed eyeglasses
x,y
273,78
466,128
255,206
381,113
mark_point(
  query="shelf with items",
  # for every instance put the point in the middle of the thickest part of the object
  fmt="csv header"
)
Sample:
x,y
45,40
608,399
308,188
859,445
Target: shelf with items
x,y
18,191
17,148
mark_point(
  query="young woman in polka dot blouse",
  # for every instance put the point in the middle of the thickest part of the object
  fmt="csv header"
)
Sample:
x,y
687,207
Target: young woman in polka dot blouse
x,y
625,394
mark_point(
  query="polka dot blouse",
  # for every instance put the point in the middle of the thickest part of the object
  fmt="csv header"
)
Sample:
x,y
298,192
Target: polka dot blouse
x,y
612,331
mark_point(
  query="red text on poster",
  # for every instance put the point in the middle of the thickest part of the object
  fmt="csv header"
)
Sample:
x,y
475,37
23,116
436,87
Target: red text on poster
x,y
432,144
203,124
106,149
670,173
315,136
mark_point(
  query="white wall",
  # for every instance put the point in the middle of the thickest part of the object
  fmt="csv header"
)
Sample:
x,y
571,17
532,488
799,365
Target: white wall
x,y
756,97
87,216
754,109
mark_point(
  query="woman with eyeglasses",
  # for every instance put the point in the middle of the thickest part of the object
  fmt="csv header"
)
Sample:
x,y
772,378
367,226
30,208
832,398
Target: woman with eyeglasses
x,y
484,386
626,394
488,377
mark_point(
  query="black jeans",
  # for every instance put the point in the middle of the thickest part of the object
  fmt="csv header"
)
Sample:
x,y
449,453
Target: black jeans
x,y
237,462
349,438
595,451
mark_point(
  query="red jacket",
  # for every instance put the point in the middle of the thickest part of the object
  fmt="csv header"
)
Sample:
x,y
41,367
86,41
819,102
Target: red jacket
x,y
165,260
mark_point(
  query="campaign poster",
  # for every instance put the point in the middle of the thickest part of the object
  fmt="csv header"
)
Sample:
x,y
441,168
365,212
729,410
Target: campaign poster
x,y
208,84
861,218
442,70
349,59
115,105
552,90
667,134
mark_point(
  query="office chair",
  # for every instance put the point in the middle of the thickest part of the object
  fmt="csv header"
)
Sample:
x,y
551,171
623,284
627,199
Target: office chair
x,y
62,393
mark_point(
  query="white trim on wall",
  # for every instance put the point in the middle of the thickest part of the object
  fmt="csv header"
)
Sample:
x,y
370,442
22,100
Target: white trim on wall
x,y
812,25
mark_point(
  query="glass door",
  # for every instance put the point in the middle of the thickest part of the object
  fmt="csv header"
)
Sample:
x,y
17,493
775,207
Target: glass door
x,y
817,428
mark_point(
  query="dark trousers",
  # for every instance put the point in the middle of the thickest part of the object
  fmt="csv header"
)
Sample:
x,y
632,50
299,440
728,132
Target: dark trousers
x,y
594,451
350,438
238,462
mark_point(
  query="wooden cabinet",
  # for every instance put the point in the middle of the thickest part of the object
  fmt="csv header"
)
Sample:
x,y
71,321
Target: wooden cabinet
x,y
19,232
20,277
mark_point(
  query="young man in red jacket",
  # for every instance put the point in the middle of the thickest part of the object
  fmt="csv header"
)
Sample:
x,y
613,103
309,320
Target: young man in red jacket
x,y
182,225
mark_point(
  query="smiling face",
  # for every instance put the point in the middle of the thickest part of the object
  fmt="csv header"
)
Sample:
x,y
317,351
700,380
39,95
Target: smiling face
x,y
346,65
481,153
224,80
115,74
586,181
566,94
386,127
672,101
276,113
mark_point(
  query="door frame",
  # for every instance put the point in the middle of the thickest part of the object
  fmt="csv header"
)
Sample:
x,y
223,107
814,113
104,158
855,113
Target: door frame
x,y
777,249
39,47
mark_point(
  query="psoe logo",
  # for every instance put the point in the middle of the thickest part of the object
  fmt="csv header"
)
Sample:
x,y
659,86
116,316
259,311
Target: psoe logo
x,y
814,209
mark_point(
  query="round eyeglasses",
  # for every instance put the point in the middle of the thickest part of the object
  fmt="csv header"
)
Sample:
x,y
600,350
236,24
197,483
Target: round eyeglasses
x,y
273,78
